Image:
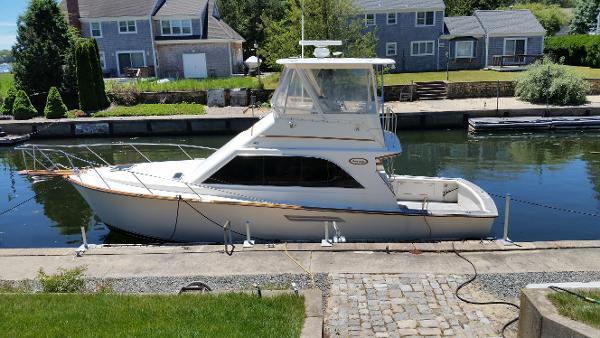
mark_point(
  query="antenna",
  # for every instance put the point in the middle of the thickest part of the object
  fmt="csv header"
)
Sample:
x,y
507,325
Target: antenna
x,y
321,50
302,28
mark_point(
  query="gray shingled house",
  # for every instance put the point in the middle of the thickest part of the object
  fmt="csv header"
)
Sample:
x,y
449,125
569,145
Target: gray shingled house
x,y
418,37
492,39
170,38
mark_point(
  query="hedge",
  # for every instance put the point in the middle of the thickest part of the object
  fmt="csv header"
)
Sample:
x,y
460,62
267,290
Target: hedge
x,y
577,50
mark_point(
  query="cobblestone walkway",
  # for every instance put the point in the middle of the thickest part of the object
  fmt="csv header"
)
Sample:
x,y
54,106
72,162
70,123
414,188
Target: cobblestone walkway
x,y
405,305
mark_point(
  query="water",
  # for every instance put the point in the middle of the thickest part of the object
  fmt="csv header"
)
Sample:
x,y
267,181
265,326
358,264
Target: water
x,y
554,169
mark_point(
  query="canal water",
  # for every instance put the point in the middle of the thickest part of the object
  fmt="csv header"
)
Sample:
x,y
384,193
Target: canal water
x,y
553,170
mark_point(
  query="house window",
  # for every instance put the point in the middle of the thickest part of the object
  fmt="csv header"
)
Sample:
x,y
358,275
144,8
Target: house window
x,y
176,27
127,27
422,48
370,19
102,60
515,46
134,59
425,19
283,171
96,29
390,49
464,49
392,18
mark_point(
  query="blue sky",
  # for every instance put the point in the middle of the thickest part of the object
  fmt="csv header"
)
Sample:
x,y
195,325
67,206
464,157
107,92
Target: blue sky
x,y
9,11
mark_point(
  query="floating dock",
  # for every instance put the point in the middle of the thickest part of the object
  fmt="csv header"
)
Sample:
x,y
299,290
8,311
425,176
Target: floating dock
x,y
9,140
486,124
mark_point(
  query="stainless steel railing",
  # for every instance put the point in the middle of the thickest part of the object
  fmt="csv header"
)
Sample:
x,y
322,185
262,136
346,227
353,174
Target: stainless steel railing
x,y
54,159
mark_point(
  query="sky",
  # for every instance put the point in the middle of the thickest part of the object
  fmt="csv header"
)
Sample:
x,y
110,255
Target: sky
x,y
9,12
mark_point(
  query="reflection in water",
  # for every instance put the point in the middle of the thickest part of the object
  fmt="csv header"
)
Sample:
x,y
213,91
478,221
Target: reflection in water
x,y
555,169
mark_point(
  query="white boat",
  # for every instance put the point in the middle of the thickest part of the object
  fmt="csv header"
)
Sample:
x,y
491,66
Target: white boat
x,y
313,166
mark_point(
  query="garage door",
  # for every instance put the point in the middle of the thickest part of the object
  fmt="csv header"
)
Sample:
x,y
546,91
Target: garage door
x,y
194,66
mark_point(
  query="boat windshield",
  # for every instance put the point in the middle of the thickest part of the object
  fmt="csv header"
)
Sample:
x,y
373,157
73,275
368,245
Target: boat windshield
x,y
326,91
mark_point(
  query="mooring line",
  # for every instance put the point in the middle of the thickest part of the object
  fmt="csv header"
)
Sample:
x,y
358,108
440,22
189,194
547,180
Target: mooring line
x,y
572,211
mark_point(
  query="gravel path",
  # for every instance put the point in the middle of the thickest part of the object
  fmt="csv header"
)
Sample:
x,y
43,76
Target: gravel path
x,y
222,283
508,286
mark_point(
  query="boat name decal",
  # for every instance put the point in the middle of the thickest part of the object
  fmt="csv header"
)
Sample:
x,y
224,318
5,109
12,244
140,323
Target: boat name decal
x,y
359,161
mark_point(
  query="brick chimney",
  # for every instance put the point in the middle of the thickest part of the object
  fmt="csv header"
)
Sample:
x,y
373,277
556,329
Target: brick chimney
x,y
73,13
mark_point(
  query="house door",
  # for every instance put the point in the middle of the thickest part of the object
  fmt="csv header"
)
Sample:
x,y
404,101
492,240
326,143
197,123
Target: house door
x,y
517,48
130,60
194,66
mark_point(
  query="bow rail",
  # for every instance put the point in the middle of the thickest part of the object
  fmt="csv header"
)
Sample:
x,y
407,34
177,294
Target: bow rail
x,y
49,159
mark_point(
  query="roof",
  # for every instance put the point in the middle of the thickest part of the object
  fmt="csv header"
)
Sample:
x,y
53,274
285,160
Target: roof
x,y
397,5
336,62
181,7
463,26
115,8
509,22
216,28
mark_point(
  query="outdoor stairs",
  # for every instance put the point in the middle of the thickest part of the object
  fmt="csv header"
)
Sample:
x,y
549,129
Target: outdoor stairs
x,y
435,90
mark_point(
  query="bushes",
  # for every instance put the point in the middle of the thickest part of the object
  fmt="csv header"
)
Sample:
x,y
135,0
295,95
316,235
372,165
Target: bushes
x,y
577,50
65,281
22,108
55,107
548,82
7,106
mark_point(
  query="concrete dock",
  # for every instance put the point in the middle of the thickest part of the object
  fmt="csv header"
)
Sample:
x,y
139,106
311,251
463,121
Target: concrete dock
x,y
210,260
369,290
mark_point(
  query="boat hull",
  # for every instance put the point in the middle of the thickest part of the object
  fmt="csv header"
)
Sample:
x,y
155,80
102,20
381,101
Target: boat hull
x,y
171,219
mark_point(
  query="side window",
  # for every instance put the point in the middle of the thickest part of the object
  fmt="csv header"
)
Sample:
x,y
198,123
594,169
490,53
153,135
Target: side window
x,y
283,171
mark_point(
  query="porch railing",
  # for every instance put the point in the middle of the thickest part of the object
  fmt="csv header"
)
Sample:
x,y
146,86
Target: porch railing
x,y
515,60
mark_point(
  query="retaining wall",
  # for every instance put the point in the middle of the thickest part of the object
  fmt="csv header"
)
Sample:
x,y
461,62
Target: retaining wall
x,y
539,319
115,127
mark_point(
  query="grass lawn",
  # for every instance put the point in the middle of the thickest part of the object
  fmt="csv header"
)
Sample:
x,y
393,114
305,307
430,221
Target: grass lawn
x,y
455,76
6,80
190,84
153,110
576,309
110,315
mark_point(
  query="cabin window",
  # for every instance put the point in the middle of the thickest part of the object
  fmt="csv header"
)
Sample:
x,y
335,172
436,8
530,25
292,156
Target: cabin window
x,y
283,171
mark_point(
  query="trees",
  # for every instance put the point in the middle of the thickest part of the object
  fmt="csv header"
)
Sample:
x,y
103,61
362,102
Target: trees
x,y
585,16
467,7
324,20
55,107
92,93
42,43
552,17
247,18
22,108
